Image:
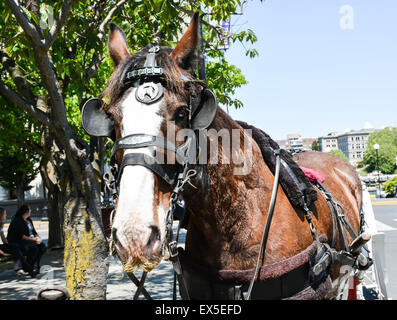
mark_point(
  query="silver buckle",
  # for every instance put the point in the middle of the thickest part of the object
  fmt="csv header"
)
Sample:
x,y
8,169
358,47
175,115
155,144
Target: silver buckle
x,y
172,245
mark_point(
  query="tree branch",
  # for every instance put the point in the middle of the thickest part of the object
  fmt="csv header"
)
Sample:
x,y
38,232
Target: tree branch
x,y
217,29
110,16
24,22
13,97
11,67
58,25
96,59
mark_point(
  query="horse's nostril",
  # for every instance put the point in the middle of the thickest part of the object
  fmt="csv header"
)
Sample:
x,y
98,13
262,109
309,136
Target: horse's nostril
x,y
154,236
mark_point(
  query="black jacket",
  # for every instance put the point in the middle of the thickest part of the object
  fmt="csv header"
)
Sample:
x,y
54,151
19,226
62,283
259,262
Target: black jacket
x,y
18,228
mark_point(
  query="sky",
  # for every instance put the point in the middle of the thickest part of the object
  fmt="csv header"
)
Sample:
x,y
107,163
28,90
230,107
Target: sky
x,y
322,67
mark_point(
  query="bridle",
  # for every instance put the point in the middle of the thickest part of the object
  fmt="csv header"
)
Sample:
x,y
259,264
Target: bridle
x,y
201,112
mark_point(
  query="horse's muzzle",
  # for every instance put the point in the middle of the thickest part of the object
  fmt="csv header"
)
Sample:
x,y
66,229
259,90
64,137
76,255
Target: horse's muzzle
x,y
138,247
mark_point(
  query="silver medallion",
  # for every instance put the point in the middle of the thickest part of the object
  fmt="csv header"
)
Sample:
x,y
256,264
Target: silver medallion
x,y
149,92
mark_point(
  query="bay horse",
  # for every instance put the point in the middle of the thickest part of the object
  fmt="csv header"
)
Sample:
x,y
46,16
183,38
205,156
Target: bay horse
x,y
227,212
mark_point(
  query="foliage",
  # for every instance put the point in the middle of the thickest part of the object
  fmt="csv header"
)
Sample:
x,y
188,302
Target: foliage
x,y
79,54
17,151
389,185
387,140
360,165
340,154
315,146
224,79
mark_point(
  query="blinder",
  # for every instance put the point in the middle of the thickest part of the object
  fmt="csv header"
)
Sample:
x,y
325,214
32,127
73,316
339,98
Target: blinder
x,y
96,122
204,113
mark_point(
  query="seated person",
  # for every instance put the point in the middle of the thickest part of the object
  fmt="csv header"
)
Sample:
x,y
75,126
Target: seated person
x,y
21,266
2,253
22,232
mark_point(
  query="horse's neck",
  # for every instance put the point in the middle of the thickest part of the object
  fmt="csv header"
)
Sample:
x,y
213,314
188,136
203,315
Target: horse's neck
x,y
227,216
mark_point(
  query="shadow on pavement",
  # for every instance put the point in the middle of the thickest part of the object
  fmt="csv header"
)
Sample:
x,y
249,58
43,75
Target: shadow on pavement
x,y
159,282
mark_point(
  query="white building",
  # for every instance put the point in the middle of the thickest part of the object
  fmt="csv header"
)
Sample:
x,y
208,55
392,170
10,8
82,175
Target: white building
x,y
295,143
329,142
35,198
354,143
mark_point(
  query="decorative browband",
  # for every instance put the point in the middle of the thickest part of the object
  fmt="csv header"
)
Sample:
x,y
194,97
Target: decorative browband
x,y
150,71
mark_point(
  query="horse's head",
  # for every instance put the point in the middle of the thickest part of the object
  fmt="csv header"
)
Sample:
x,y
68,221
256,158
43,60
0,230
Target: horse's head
x,y
148,96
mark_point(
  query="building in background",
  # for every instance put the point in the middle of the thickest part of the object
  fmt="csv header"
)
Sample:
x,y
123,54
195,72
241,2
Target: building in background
x,y
354,143
329,142
308,143
283,144
295,143
35,198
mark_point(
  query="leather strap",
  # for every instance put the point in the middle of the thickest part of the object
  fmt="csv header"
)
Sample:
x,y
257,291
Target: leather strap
x,y
337,215
268,222
142,159
174,258
140,140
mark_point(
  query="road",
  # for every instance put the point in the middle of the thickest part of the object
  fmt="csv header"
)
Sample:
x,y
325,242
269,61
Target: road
x,y
385,211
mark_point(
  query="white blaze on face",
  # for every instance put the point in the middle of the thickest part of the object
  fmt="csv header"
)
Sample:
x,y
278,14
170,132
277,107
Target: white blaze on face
x,y
135,211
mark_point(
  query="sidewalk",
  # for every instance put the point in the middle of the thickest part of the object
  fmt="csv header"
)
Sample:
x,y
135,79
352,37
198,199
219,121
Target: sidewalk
x,y
159,282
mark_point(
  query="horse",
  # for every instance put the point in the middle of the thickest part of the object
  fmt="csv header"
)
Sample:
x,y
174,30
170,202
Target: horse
x,y
227,211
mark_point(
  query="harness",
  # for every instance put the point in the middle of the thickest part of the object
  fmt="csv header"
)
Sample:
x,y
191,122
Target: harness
x,y
202,109
304,276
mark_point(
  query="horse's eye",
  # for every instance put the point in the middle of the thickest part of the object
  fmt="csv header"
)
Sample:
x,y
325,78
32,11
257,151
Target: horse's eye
x,y
180,113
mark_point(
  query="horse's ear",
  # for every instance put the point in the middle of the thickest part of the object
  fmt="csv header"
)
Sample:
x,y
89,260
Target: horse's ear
x,y
118,47
185,50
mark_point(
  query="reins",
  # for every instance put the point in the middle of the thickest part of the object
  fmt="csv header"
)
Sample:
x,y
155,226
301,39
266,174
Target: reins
x,y
267,224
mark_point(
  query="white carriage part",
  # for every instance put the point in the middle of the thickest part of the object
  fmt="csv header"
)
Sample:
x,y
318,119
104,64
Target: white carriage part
x,y
373,281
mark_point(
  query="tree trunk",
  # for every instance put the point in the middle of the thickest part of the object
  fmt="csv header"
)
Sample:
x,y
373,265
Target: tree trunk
x,y
54,204
20,192
86,250
55,222
50,170
73,201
